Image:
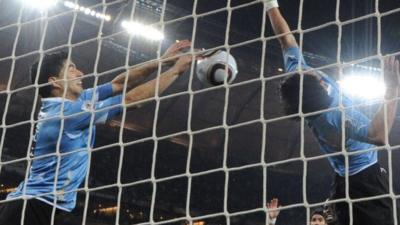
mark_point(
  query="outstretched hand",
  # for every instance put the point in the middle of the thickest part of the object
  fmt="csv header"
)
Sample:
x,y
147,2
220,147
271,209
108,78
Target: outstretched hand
x,y
173,50
391,72
273,208
184,62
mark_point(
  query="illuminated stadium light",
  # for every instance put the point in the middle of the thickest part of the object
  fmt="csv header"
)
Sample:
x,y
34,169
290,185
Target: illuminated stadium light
x,y
40,4
87,11
135,28
368,86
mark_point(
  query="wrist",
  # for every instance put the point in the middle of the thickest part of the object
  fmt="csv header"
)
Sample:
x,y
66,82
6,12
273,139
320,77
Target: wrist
x,y
270,4
167,60
272,221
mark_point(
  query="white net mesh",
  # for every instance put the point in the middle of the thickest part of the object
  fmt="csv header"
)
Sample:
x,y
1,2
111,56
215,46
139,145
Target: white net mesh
x,y
192,155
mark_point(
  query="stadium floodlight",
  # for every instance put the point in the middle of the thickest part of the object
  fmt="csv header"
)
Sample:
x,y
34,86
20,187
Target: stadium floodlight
x,y
135,28
87,11
40,4
367,86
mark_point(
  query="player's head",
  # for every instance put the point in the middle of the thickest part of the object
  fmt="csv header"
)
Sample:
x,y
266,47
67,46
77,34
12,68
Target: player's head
x,y
318,217
53,69
315,94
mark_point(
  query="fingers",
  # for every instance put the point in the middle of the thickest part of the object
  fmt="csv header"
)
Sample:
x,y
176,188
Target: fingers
x,y
179,45
183,62
179,52
273,203
196,56
184,43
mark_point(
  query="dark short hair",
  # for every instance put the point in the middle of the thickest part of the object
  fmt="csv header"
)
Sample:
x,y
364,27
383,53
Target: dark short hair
x,y
317,211
315,97
51,66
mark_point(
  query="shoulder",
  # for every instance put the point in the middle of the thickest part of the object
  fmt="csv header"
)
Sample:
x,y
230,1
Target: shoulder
x,y
102,91
53,106
86,94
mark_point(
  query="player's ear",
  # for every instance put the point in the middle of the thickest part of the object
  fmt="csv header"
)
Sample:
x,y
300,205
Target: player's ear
x,y
53,81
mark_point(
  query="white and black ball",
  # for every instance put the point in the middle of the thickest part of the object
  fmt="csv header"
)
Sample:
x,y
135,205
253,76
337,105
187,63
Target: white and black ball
x,y
215,67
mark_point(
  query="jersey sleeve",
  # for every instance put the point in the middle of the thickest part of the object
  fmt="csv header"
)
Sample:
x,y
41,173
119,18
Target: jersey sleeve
x,y
293,58
102,92
79,113
356,125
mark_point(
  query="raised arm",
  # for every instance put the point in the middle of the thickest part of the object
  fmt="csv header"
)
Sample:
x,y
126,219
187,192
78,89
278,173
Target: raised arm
x,y
148,89
279,25
136,75
376,132
273,211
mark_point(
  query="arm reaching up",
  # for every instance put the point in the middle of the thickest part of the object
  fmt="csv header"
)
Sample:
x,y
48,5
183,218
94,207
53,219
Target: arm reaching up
x,y
136,75
279,25
391,72
273,210
148,89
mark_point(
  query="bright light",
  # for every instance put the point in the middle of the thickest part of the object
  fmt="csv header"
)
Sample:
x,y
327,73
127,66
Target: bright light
x,y
40,4
69,4
136,28
87,11
368,86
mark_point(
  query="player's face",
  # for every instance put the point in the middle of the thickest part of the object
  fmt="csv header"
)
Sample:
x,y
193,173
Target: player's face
x,y
317,220
74,79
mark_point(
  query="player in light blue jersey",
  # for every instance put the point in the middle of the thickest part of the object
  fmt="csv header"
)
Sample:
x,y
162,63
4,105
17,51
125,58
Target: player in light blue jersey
x,y
66,129
320,92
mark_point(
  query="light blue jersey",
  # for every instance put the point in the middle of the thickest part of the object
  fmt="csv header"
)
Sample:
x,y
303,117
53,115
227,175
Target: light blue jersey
x,y
327,126
74,139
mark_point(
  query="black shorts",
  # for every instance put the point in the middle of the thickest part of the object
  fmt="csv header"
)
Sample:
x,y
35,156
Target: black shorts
x,y
36,213
367,183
